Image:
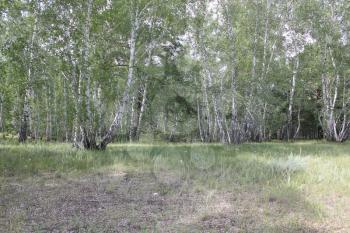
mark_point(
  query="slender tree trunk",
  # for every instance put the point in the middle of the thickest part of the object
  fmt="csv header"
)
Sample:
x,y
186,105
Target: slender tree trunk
x,y
142,110
202,132
16,111
65,110
23,131
291,99
199,119
136,105
1,113
208,112
326,107
329,123
209,86
98,106
48,131
264,71
133,117
263,126
216,108
337,128
235,131
37,123
77,106
26,120
101,114
255,43
118,116
296,134
209,121
55,119
266,38
141,101
345,128
249,119
89,136
36,119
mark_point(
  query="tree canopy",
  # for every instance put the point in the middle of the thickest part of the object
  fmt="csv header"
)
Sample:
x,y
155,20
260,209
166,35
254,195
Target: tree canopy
x,y
95,71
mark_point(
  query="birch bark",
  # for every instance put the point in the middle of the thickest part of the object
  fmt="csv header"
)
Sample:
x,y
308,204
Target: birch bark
x,y
336,127
142,110
26,120
65,110
120,110
48,131
235,128
89,137
291,99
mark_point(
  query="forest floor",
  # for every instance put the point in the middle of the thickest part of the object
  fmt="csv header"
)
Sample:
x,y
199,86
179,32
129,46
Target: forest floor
x,y
269,187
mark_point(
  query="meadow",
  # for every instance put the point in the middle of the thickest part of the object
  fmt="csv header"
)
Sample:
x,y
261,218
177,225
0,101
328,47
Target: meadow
x,y
269,187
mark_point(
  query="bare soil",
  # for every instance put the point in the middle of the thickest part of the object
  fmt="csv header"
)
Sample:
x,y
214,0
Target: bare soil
x,y
120,202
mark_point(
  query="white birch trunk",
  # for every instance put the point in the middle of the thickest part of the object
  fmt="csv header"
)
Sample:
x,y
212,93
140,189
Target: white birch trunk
x,y
97,97
208,112
77,106
266,38
291,98
48,131
208,85
26,120
118,116
249,119
89,139
296,134
336,128
133,118
235,131
142,110
65,110
199,120
264,71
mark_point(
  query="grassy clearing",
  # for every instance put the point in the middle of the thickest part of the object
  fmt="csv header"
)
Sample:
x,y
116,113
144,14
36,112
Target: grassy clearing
x,y
270,187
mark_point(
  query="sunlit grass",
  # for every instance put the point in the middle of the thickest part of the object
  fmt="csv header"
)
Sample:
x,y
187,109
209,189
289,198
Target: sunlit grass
x,y
314,162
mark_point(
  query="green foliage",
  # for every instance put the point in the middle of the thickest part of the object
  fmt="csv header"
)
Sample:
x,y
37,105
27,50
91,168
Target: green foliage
x,y
172,39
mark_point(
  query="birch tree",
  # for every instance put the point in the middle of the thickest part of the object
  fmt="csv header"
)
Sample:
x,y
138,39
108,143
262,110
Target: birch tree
x,y
26,119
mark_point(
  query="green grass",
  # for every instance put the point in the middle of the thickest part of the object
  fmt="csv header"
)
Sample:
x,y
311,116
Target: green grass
x,y
296,187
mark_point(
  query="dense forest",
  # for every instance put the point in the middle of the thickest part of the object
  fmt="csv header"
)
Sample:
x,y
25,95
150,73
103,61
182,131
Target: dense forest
x,y
92,72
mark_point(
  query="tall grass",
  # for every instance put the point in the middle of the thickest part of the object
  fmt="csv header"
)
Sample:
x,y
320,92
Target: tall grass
x,y
312,163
